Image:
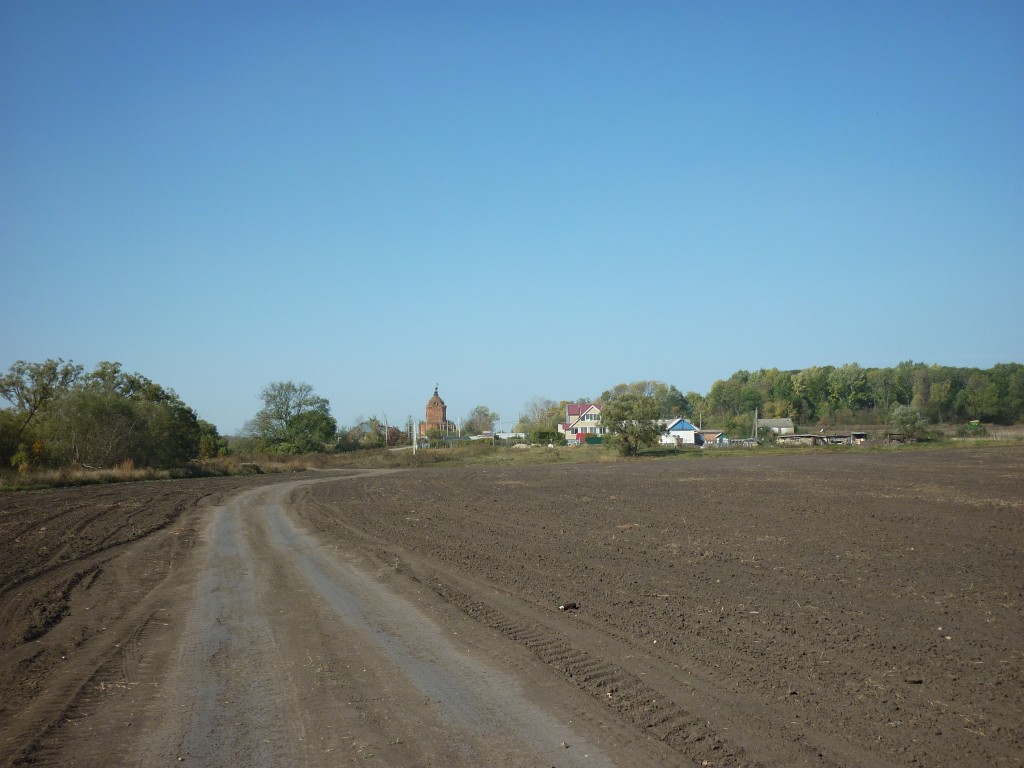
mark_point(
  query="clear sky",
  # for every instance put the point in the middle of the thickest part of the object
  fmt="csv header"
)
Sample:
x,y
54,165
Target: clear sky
x,y
511,200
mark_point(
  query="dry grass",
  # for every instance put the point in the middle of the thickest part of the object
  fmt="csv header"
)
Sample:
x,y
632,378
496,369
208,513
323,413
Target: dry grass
x,y
70,476
461,454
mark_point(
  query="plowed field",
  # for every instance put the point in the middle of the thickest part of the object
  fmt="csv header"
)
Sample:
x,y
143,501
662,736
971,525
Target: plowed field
x,y
839,609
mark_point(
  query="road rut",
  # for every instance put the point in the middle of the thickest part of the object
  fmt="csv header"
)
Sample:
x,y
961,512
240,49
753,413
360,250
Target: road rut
x,y
295,652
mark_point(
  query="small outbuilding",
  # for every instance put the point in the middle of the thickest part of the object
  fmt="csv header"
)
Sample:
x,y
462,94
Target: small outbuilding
x,y
802,440
713,437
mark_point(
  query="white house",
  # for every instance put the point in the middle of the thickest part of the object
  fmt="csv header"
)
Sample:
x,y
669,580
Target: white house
x,y
778,426
680,432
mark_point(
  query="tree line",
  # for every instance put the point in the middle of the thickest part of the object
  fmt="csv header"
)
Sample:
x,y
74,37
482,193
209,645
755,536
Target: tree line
x,y
62,415
909,393
850,394
294,419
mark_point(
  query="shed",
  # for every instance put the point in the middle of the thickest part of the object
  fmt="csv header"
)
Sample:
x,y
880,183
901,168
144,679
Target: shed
x,y
713,437
802,439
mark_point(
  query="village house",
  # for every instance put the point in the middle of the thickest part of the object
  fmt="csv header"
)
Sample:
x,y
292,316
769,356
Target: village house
x,y
778,426
582,420
680,432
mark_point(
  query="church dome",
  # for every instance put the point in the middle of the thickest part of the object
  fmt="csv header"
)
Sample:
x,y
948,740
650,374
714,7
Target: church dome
x,y
435,400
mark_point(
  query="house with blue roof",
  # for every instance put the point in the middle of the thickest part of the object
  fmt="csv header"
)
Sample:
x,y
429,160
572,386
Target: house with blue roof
x,y
680,432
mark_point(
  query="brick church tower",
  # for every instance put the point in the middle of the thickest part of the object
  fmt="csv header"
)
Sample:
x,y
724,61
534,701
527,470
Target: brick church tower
x,y
436,416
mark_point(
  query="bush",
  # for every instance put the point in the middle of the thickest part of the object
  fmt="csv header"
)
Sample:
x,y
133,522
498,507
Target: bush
x,y
971,430
908,420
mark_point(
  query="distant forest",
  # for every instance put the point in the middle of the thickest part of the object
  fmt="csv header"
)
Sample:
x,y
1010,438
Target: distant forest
x,y
850,394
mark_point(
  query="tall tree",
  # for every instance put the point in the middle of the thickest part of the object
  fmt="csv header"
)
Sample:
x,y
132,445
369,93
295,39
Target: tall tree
x,y
1009,380
632,419
670,401
293,419
541,418
810,386
882,390
109,415
30,386
982,397
211,444
698,404
481,419
92,427
847,388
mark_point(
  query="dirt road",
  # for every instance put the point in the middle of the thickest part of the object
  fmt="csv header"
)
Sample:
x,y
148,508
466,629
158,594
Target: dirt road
x,y
834,609
275,650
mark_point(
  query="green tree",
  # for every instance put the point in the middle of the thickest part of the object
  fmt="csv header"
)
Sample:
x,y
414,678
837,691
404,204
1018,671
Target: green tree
x,y
942,388
698,406
30,386
211,444
882,392
670,401
109,416
904,378
312,431
294,419
365,433
816,394
982,397
1009,380
481,419
847,388
810,387
541,418
740,425
724,398
92,427
907,419
632,419
10,429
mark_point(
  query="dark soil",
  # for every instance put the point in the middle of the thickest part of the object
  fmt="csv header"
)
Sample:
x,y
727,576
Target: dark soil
x,y
833,609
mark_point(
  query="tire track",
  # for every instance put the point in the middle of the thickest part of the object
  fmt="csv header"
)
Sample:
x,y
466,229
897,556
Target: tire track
x,y
609,683
618,689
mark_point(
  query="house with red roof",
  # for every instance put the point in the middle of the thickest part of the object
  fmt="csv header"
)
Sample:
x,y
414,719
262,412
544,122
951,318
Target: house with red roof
x,y
582,420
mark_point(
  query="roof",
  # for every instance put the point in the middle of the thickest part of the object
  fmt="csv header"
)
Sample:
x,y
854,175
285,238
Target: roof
x,y
775,422
436,399
573,410
711,433
680,425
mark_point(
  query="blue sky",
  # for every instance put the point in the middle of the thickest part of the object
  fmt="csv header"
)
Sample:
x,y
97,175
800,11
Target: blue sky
x,y
511,200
